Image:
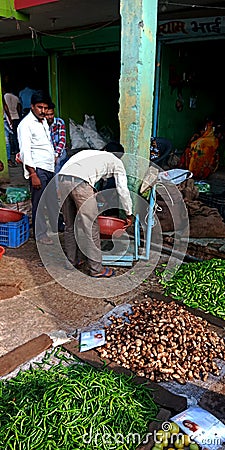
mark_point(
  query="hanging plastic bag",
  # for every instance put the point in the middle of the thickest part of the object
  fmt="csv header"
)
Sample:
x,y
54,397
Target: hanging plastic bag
x,y
150,178
175,176
202,186
17,194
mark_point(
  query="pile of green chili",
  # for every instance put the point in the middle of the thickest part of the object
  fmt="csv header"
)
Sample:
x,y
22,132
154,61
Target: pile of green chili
x,y
198,285
73,407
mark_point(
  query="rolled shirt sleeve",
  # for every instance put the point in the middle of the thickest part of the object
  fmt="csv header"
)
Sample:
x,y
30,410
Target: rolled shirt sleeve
x,y
122,188
92,165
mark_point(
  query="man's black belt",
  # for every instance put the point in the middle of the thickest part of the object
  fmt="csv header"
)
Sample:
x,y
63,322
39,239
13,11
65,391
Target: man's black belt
x,y
70,178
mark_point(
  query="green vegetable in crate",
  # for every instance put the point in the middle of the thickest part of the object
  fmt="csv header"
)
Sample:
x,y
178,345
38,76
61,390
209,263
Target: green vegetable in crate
x,y
162,439
198,285
159,445
179,443
194,446
174,439
174,428
187,440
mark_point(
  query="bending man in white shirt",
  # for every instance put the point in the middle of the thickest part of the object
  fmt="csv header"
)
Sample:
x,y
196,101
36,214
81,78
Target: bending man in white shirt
x,y
77,179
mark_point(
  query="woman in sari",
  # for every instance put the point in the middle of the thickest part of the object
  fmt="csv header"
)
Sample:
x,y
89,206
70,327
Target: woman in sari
x,y
201,156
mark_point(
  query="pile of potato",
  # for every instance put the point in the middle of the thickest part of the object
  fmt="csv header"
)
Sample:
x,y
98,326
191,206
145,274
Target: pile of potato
x,y
163,341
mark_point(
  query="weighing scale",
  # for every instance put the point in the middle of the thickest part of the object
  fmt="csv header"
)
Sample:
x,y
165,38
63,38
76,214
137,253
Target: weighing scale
x,y
123,254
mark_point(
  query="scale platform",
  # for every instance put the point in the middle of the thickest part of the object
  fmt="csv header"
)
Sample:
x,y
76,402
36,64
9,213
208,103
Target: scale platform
x,y
123,256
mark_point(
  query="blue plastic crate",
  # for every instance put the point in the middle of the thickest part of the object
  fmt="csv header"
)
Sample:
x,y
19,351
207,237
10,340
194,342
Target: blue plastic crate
x,y
14,234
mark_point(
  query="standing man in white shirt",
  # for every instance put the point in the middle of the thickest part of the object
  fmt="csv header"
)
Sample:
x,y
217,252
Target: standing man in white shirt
x,y
38,157
77,179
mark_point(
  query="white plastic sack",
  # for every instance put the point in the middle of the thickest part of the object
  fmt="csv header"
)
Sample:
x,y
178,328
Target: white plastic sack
x,y
175,176
77,138
93,139
89,122
91,135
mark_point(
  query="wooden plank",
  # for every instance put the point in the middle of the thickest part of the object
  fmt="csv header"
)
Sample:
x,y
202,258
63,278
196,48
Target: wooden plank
x,y
11,360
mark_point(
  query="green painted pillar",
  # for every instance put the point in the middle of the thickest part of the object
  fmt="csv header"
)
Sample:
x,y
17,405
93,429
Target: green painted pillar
x,y
53,79
138,50
4,176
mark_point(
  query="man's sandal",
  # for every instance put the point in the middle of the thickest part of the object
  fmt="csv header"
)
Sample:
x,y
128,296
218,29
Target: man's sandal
x,y
106,273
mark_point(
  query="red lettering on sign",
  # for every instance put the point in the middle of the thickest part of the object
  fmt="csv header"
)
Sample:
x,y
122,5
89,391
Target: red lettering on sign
x,y
172,28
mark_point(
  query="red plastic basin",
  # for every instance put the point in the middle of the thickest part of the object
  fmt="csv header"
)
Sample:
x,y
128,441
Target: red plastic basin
x,y
9,215
110,225
2,251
